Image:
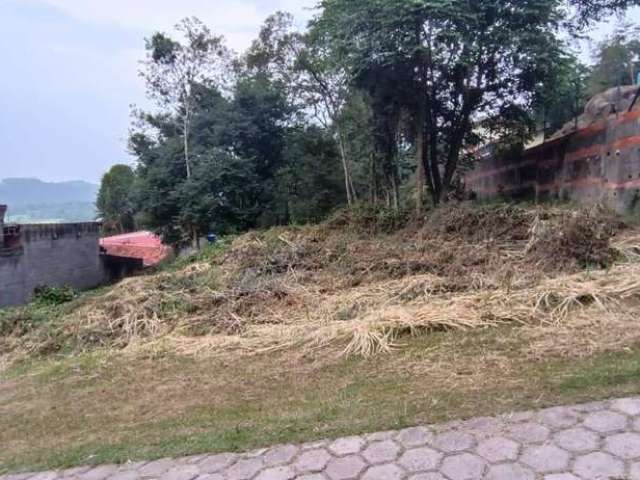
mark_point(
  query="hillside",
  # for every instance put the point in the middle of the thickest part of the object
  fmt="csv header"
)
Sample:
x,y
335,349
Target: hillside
x,y
366,322
347,284
32,200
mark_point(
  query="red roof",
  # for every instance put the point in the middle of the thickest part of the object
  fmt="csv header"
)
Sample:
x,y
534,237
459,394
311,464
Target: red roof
x,y
144,245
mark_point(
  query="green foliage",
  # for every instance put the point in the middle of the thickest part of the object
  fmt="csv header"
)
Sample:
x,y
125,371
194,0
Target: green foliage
x,y
616,60
563,94
377,101
443,63
45,295
115,201
590,11
370,219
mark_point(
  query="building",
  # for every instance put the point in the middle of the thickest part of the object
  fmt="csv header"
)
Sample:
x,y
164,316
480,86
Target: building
x,y
49,254
595,159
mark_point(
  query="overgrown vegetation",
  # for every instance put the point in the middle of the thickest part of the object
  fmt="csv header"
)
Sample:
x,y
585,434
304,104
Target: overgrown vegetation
x,y
375,102
360,281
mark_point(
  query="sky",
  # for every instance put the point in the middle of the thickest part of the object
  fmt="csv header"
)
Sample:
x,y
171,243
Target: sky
x,y
70,74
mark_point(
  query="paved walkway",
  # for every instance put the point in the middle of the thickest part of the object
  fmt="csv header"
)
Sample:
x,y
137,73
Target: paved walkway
x,y
596,441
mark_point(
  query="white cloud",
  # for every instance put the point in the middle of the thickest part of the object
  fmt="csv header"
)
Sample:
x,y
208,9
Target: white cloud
x,y
237,20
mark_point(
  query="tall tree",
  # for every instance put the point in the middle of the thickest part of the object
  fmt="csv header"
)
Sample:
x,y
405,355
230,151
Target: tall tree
x,y
449,63
302,67
174,69
115,203
560,97
616,59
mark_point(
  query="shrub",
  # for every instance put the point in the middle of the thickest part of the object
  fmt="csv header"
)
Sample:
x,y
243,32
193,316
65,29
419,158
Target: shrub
x,y
46,295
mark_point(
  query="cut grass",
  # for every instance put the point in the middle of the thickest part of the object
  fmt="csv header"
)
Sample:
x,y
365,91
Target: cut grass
x,y
102,407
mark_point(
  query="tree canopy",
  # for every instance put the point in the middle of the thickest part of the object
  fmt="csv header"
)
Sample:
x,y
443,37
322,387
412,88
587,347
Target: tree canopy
x,y
378,101
116,203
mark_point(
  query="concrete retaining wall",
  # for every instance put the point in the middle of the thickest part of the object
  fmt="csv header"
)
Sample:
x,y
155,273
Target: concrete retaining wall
x,y
52,255
598,164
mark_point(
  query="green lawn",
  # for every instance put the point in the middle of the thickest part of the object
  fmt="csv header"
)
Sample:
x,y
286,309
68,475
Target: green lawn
x,y
110,407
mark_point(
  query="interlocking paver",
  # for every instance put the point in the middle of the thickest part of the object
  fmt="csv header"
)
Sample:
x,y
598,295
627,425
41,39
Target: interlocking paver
x,y
415,437
74,472
558,417
510,471
561,476
277,473
384,472
484,427
454,441
181,472
97,473
381,452
312,461
345,468
605,421
156,468
577,440
347,446
598,466
498,449
463,467
590,407
280,455
546,459
216,463
529,432
597,441
210,476
630,406
634,471
125,475
623,445
245,469
420,459
428,476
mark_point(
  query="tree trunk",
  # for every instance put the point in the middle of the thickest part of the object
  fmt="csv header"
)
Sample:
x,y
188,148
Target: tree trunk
x,y
185,136
420,170
348,182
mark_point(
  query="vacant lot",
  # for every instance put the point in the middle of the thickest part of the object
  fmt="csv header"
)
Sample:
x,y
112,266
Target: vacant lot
x,y
360,324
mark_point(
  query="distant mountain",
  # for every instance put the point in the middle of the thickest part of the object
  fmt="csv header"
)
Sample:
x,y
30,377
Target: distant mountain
x,y
33,201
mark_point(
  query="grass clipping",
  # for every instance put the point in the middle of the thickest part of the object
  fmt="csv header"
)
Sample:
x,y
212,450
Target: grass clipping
x,y
331,288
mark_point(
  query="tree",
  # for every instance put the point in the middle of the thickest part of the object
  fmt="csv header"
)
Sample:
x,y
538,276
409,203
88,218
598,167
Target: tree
x,y
301,66
562,95
590,11
324,87
449,64
173,70
616,60
115,203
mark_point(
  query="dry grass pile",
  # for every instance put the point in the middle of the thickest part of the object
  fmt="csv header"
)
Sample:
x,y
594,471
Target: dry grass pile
x,y
342,286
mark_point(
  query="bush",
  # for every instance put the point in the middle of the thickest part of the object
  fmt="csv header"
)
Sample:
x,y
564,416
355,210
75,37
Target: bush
x,y
46,295
370,219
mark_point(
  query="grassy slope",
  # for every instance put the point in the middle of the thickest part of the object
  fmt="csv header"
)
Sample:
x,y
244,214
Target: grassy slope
x,y
78,404
100,407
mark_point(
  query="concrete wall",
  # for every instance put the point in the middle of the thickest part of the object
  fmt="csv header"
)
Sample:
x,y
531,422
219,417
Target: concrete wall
x,y
597,164
52,255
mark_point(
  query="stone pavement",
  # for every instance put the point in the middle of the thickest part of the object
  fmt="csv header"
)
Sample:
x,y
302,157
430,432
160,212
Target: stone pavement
x,y
595,441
